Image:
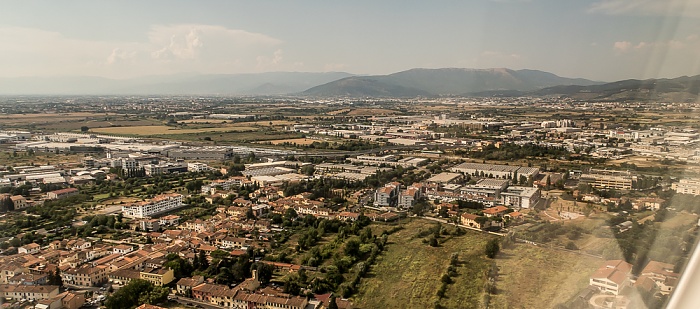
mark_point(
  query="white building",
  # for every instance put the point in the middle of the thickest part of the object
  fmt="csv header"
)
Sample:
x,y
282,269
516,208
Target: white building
x,y
495,170
520,197
158,204
612,277
687,186
387,195
197,167
408,197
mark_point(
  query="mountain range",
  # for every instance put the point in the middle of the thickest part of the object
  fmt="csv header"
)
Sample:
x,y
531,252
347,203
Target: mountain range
x,y
440,82
273,83
499,82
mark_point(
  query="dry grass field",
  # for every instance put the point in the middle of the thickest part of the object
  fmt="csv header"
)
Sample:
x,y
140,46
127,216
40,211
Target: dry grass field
x,y
165,130
372,112
298,141
407,274
25,119
534,277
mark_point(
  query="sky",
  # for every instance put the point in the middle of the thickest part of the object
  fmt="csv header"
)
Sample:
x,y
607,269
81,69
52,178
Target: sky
x,y
603,40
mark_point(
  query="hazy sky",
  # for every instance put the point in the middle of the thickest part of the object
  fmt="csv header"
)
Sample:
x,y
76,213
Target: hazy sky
x,y
597,39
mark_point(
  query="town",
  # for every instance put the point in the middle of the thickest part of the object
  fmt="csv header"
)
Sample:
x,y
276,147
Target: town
x,y
332,203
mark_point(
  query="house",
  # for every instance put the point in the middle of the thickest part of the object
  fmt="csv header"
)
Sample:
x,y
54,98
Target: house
x,y
63,193
233,242
472,220
19,202
122,249
496,211
658,275
70,300
29,248
123,276
149,225
170,220
346,215
85,276
205,291
65,300
9,270
184,286
147,306
612,277
158,276
247,300
648,203
29,279
28,292
514,216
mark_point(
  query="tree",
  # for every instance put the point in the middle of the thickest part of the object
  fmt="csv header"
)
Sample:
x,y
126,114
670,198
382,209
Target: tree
x,y
249,213
571,246
203,262
136,292
264,272
352,247
492,248
84,129
290,214
308,170
332,304
433,242
55,278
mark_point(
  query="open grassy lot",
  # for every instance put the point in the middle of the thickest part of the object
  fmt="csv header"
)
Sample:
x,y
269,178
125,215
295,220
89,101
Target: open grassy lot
x,y
298,141
162,130
223,138
372,112
534,277
407,274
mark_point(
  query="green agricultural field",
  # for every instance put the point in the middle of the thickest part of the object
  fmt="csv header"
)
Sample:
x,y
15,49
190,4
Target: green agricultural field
x,y
407,274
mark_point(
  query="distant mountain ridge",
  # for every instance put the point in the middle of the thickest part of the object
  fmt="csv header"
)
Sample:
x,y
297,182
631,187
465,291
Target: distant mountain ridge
x,y
681,89
446,81
273,83
498,82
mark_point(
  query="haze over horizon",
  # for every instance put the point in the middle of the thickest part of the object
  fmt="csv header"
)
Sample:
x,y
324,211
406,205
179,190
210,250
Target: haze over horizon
x,y
604,40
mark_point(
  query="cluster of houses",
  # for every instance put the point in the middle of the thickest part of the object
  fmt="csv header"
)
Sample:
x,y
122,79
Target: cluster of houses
x,y
84,263
614,278
249,294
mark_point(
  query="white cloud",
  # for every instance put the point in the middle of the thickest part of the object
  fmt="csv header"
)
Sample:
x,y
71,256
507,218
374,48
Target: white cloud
x,y
670,45
647,7
622,46
168,49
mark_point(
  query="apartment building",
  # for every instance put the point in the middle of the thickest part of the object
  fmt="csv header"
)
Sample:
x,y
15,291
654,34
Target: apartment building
x,y
158,204
86,276
612,277
408,197
687,186
158,276
387,195
520,197
608,179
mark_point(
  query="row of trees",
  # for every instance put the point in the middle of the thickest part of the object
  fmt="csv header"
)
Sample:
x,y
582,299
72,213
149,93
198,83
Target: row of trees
x,y
511,151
